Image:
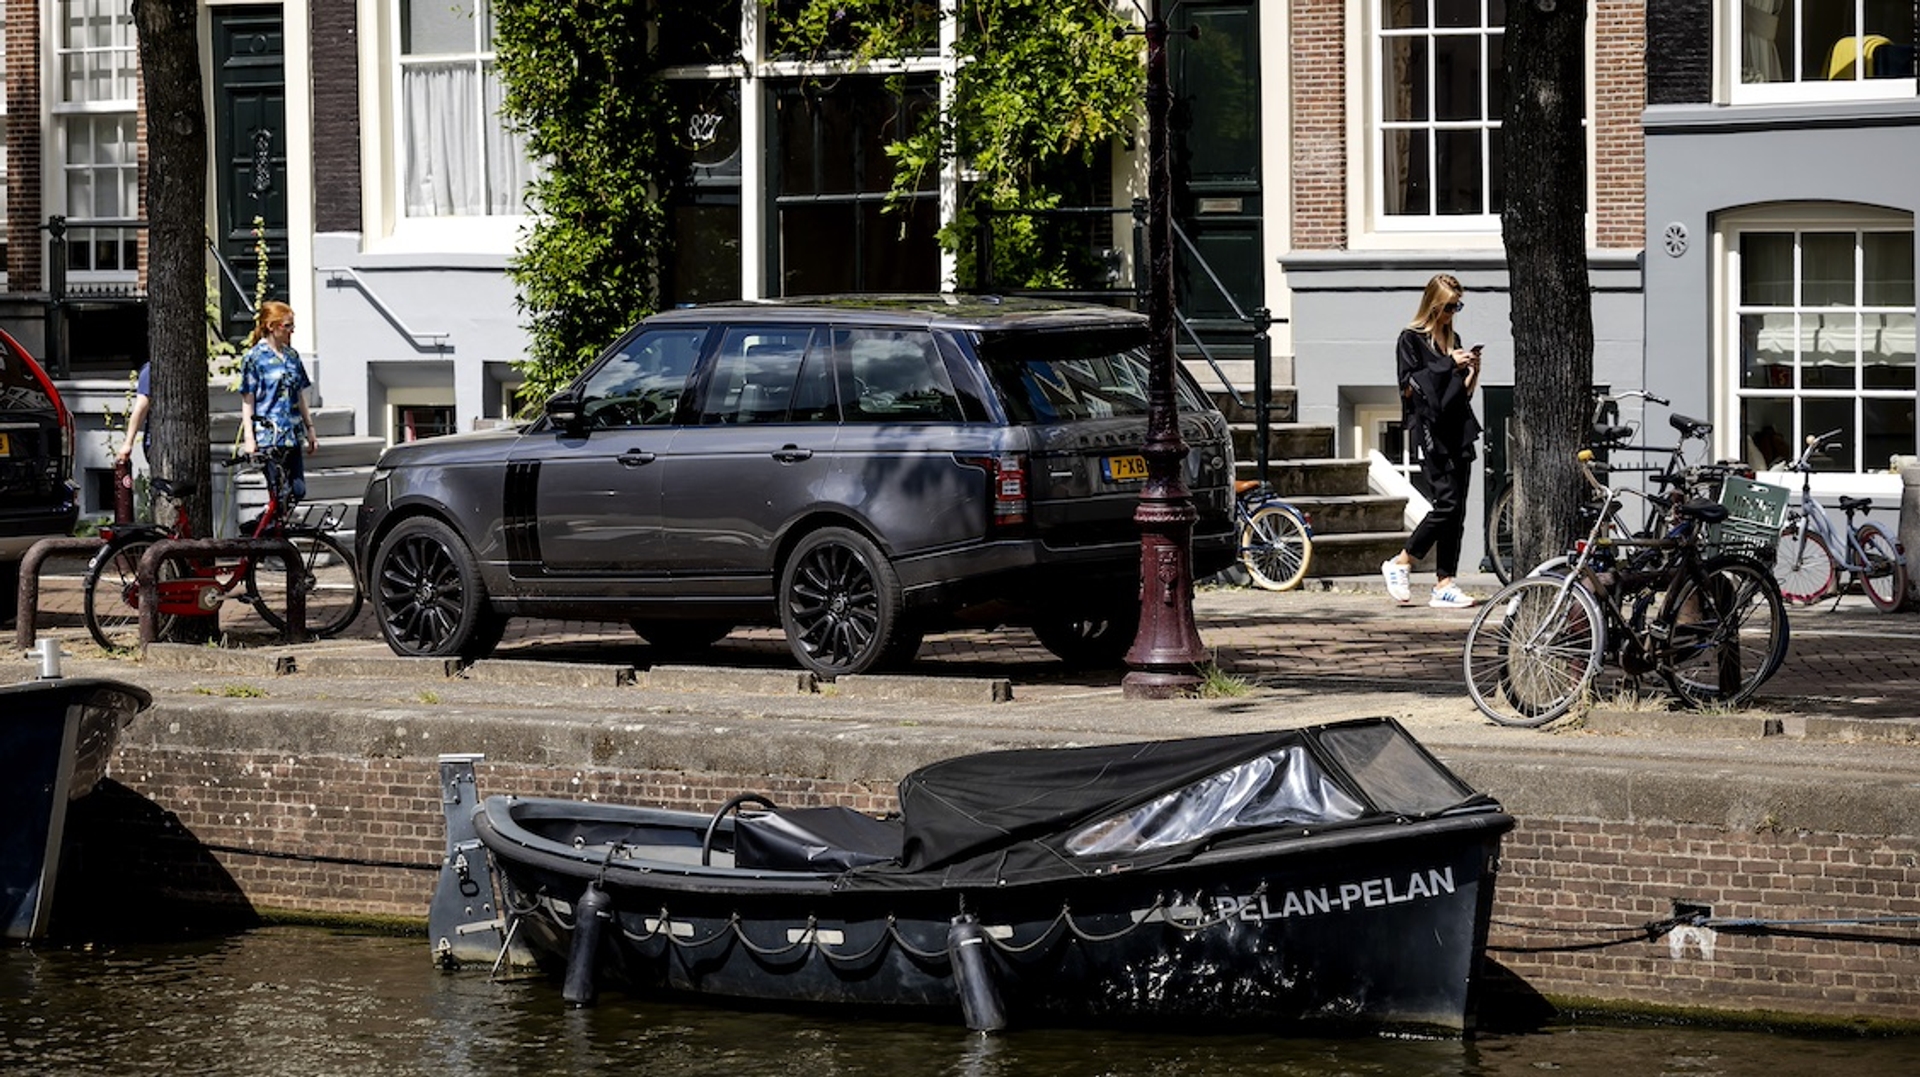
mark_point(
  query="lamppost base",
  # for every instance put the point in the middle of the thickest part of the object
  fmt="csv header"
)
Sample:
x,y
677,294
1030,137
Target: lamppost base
x,y
1159,684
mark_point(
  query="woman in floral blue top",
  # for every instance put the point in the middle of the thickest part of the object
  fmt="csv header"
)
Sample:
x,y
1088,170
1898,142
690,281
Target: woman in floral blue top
x,y
273,401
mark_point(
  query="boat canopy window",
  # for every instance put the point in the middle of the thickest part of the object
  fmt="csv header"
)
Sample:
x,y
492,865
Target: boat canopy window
x,y
1395,772
1282,788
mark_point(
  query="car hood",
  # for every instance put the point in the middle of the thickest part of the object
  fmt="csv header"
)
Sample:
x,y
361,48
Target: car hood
x,y
477,447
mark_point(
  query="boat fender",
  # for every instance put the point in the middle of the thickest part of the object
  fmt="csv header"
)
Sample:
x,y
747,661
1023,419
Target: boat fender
x,y
973,976
590,916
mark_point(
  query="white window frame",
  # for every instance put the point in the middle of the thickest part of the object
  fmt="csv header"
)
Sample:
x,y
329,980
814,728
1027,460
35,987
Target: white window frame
x,y
123,60
1795,218
1369,227
1729,22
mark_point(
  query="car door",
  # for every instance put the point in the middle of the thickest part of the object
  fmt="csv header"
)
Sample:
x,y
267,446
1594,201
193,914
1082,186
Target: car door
x,y
589,493
755,453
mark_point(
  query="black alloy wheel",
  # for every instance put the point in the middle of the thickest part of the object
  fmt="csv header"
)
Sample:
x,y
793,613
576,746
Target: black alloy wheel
x,y
841,605
428,594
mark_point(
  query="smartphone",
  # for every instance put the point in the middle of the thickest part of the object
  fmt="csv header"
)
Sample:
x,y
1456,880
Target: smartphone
x,y
1476,348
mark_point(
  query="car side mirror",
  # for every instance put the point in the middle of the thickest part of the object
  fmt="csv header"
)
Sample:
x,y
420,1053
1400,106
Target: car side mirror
x,y
564,410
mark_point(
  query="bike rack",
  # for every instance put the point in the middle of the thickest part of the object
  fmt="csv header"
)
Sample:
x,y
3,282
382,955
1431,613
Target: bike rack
x,y
148,576
28,594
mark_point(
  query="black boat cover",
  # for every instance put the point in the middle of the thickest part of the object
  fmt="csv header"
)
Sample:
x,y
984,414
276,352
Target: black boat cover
x,y
1034,815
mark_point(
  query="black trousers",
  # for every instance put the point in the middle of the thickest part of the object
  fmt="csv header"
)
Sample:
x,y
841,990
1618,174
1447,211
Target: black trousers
x,y
1444,525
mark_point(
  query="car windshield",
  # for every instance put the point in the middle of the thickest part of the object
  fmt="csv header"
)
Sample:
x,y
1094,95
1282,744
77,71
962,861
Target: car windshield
x,y
1058,377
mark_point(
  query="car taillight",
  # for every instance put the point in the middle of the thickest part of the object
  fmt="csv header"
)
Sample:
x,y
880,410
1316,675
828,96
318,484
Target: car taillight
x,y
1006,489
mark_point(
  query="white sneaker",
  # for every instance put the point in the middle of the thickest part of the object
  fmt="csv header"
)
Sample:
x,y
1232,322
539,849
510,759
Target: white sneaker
x,y
1399,581
1450,597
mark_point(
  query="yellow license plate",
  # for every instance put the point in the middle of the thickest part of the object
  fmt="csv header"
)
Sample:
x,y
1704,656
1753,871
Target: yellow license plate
x,y
6,445
1124,468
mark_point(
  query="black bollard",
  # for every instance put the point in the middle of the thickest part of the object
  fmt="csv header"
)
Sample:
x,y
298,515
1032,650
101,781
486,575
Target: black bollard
x,y
973,976
590,915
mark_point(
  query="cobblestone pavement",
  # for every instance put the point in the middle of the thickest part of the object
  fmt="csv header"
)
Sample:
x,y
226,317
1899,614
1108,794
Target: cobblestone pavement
x,y
1847,661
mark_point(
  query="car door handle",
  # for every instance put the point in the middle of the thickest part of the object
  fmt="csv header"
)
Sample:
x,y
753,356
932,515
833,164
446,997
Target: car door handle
x,y
792,454
635,458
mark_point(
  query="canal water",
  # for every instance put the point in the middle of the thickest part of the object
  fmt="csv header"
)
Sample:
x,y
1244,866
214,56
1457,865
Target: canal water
x,y
305,1002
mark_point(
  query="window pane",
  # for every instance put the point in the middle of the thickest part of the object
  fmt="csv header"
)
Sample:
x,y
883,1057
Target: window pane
x,y
1496,87
1457,77
1496,170
641,385
1831,47
1405,160
1766,269
1887,351
894,376
434,27
1456,12
1405,96
1818,416
753,376
1766,351
440,106
1762,35
1889,430
706,252
1403,14
1767,429
1458,168
1826,269
1889,268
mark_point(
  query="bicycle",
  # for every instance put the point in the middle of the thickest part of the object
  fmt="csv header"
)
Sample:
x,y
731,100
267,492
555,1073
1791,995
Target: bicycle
x,y
198,587
1805,563
1605,437
1713,627
1276,538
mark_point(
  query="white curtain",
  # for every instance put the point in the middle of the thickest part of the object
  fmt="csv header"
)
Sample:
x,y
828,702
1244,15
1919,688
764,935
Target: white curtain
x,y
443,152
1760,29
508,168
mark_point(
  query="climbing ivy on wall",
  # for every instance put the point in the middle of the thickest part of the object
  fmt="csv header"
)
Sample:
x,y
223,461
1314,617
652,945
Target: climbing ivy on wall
x,y
1045,85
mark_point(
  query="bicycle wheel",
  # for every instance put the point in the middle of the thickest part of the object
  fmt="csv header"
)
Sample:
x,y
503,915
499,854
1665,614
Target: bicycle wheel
x,y
1275,548
1726,632
1532,651
1885,578
1804,565
1500,526
111,595
326,575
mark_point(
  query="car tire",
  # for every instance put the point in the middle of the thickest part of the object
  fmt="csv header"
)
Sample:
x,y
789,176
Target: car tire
x,y
428,595
840,603
1093,639
680,637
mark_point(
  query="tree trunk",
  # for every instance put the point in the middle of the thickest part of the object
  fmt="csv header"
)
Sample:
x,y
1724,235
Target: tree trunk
x,y
176,251
1544,224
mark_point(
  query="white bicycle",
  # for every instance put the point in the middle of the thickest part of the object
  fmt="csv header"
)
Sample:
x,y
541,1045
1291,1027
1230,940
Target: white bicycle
x,y
1807,564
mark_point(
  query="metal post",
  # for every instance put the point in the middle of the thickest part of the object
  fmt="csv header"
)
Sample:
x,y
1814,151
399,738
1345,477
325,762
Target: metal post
x,y
1263,387
1167,653
57,296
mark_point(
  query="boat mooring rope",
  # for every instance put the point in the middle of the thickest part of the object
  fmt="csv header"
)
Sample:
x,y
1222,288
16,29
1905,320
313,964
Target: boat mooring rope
x,y
1654,930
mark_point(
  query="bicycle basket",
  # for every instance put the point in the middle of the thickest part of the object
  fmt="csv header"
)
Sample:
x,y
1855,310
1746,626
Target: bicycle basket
x,y
1755,513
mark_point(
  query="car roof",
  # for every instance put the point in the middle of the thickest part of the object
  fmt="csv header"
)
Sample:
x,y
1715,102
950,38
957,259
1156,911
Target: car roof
x,y
985,313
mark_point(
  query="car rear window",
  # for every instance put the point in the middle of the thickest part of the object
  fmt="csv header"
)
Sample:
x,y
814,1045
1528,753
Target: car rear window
x,y
1059,377
20,386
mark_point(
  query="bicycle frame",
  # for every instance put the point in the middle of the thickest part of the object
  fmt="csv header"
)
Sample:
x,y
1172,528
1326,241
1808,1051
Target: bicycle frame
x,y
205,584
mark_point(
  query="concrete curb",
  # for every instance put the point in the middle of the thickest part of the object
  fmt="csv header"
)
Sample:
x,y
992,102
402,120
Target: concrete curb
x,y
549,674
394,666
196,658
720,679
930,689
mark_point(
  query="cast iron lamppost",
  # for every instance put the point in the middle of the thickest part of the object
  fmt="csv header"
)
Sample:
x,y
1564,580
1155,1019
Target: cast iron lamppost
x,y
1167,653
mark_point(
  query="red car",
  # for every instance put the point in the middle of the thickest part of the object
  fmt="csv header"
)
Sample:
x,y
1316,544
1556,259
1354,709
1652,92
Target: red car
x,y
38,498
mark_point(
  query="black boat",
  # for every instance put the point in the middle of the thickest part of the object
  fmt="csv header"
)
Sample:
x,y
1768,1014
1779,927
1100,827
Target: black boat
x,y
1330,877
56,737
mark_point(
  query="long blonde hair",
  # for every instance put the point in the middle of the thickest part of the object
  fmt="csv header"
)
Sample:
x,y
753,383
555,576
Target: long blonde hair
x,y
1444,288
271,313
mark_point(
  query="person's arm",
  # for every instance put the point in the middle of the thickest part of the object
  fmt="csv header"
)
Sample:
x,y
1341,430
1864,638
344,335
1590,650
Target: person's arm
x,y
246,424
135,420
306,420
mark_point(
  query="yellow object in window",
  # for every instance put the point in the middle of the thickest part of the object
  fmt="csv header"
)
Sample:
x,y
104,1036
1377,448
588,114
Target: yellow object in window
x,y
1840,61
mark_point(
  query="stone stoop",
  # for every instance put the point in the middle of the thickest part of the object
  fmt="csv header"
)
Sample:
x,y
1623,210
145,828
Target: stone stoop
x,y
1354,529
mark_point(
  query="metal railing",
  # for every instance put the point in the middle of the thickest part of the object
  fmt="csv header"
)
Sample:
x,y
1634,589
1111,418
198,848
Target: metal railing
x,y
1258,323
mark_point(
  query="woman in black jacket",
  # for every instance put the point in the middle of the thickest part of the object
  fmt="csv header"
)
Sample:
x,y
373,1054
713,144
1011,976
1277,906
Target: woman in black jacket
x,y
1437,378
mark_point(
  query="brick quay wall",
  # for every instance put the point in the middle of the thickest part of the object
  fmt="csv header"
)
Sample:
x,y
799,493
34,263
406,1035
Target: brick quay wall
x,y
246,805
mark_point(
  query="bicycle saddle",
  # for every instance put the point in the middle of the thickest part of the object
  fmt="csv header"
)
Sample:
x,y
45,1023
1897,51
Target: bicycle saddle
x,y
179,491
1707,512
1601,435
1855,504
1689,426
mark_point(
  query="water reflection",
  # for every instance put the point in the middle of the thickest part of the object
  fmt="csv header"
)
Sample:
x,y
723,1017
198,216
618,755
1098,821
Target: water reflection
x,y
311,1003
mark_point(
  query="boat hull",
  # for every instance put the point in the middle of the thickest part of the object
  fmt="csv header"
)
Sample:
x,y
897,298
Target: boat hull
x,y
1381,927
56,738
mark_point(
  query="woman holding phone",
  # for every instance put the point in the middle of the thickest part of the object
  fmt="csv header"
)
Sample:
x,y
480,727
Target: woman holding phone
x,y
1437,378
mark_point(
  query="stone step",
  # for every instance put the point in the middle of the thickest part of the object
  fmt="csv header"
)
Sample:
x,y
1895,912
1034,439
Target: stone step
x,y
323,484
1349,513
1285,399
1285,441
1238,370
1306,478
223,421
1357,553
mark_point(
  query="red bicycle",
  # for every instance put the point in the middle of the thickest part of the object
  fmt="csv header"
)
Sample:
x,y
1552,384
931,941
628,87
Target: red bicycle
x,y
198,587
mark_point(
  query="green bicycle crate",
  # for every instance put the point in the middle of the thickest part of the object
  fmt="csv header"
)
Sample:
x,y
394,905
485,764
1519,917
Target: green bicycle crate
x,y
1755,513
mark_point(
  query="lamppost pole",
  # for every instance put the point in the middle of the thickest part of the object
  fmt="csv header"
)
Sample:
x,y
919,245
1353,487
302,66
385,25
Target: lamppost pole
x,y
1167,653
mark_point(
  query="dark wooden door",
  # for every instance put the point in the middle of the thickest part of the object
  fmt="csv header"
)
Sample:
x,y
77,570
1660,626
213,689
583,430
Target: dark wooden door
x,y
1218,199
250,152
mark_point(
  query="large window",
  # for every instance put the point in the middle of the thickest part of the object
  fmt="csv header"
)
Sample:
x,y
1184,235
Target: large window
x,y
94,115
1823,324
1436,114
457,158
1812,49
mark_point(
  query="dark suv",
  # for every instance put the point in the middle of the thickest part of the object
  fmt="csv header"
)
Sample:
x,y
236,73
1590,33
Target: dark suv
x,y
859,471
37,496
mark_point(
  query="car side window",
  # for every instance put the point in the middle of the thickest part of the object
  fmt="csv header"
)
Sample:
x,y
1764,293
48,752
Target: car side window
x,y
755,375
894,376
641,384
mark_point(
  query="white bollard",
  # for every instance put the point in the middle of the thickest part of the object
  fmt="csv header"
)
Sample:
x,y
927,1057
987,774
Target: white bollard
x,y
47,650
